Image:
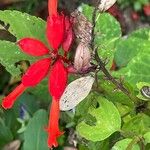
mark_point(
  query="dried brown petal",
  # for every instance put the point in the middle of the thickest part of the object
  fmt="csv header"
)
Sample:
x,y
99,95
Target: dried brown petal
x,y
82,27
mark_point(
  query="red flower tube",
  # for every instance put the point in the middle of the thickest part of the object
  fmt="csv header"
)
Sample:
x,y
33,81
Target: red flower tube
x,y
11,98
57,84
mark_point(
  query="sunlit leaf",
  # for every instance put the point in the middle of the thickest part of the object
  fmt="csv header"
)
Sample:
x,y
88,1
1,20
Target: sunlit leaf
x,y
108,121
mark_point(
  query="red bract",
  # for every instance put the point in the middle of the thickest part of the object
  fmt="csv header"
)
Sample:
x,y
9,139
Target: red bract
x,y
59,32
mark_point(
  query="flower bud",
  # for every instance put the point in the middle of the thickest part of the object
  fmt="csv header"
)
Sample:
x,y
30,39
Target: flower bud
x,y
82,57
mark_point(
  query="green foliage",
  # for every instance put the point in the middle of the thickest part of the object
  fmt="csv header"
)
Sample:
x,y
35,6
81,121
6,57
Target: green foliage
x,y
107,118
34,132
123,144
10,55
133,53
5,134
23,25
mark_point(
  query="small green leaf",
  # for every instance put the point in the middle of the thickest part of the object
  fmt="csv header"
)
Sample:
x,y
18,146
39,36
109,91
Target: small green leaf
x,y
138,125
23,25
147,137
123,144
107,122
35,137
9,55
5,135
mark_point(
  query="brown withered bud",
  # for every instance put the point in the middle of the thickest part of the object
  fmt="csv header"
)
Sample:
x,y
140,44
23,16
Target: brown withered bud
x,y
82,57
82,27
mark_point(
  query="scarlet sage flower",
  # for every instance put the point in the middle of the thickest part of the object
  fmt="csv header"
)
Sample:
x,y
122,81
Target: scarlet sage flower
x,y
59,32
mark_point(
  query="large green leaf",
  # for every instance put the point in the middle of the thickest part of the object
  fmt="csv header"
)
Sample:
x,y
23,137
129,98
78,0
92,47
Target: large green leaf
x,y
138,68
127,49
35,137
123,144
23,25
10,54
107,122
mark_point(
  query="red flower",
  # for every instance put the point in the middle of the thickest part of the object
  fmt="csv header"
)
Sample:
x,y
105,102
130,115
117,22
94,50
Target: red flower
x,y
146,9
57,84
59,32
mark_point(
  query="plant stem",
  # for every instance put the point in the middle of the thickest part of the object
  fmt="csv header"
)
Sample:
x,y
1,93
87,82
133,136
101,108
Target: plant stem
x,y
100,62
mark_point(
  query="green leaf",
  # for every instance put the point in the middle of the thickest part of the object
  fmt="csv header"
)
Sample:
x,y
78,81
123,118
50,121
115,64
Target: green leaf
x,y
41,90
107,122
138,125
138,68
29,102
9,55
127,49
5,134
23,25
35,137
82,108
147,137
110,92
123,144
107,31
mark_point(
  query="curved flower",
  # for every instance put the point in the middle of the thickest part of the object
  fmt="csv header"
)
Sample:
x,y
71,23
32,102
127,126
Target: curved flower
x,y
59,32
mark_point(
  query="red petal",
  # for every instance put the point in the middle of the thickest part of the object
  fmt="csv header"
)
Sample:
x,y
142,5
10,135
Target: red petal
x,y
52,7
55,30
58,79
36,72
53,126
68,37
33,47
9,100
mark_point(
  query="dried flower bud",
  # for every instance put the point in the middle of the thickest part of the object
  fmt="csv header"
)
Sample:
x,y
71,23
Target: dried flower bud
x,y
82,27
106,4
82,57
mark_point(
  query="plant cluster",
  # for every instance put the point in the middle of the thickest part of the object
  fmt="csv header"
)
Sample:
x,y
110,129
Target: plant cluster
x,y
97,78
